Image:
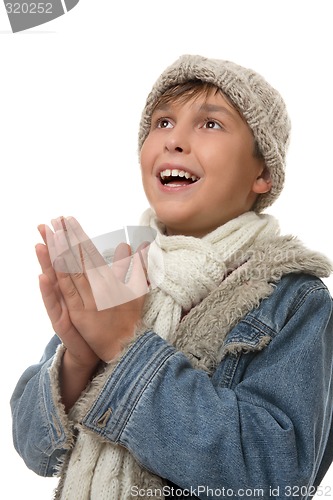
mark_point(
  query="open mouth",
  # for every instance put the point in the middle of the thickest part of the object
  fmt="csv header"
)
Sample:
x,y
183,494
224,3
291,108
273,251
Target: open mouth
x,y
176,177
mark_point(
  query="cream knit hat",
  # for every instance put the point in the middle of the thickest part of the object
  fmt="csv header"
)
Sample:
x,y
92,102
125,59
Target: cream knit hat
x,y
261,105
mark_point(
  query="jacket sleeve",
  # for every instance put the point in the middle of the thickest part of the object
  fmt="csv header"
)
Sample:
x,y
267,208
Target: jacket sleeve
x,y
266,429
41,430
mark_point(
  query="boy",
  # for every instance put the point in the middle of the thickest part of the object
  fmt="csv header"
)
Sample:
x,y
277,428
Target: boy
x,y
217,382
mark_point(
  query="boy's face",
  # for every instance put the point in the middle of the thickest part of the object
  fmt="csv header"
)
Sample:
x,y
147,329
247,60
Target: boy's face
x,y
197,164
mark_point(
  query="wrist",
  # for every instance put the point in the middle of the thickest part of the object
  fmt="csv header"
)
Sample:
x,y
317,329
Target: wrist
x,y
76,365
74,378
119,346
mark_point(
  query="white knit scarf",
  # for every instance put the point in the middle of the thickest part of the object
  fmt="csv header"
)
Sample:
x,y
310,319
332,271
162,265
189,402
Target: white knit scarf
x,y
192,269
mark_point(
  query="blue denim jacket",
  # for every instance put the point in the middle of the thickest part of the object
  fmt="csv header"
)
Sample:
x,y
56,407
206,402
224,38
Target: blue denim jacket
x,y
259,427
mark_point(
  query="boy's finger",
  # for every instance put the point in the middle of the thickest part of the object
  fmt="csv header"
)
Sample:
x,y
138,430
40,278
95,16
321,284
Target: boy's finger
x,y
50,299
121,261
85,250
56,223
74,285
137,282
41,229
142,251
43,256
45,262
50,242
68,287
65,244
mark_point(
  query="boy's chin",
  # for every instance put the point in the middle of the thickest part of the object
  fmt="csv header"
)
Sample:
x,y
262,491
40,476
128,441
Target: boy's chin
x,y
176,227
195,229
173,228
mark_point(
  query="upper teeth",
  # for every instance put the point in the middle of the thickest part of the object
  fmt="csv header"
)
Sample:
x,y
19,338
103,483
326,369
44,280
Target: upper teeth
x,y
178,173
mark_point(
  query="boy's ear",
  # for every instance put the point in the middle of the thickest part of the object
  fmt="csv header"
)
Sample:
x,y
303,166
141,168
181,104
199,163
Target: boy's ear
x,y
263,183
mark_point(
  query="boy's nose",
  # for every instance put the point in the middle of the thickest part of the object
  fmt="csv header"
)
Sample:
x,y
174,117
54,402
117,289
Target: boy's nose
x,y
177,141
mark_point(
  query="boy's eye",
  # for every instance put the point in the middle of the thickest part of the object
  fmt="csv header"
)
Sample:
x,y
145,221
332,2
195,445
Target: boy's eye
x,y
163,123
212,124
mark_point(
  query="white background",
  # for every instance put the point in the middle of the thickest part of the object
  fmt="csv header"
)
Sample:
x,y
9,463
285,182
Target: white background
x,y
71,95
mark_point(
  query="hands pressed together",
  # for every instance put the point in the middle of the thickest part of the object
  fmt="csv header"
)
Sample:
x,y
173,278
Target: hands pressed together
x,y
91,307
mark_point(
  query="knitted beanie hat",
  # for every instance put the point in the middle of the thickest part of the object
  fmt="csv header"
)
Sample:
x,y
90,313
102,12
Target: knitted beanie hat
x,y
260,104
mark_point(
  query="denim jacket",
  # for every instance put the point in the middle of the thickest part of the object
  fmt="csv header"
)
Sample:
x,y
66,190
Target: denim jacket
x,y
259,427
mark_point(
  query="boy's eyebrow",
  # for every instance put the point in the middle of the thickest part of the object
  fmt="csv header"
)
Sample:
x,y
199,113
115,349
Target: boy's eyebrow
x,y
205,107
212,108
162,107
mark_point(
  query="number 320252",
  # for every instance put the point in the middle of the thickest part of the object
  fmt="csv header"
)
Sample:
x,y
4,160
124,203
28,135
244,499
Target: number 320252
x,y
29,8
